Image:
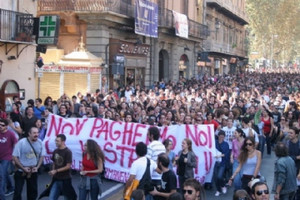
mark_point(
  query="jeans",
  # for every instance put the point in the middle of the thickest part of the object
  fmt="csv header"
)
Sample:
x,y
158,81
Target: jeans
x,y
289,196
262,142
56,190
94,191
32,186
237,182
219,176
268,141
4,165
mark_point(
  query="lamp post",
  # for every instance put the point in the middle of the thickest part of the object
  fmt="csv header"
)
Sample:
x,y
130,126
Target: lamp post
x,y
107,60
272,49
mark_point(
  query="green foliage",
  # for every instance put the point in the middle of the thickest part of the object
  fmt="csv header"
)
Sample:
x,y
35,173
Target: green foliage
x,y
277,20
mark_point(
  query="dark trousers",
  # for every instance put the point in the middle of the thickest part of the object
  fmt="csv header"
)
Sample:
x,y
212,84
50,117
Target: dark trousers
x,y
32,187
245,180
181,181
268,142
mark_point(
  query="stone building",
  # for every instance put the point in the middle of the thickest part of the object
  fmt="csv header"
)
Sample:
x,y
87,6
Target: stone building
x,y
226,44
109,32
17,50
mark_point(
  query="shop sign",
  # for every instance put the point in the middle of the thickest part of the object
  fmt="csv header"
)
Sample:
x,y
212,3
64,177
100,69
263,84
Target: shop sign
x,y
132,49
70,69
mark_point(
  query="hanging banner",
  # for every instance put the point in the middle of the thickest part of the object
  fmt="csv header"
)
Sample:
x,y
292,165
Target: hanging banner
x,y
181,24
118,141
146,18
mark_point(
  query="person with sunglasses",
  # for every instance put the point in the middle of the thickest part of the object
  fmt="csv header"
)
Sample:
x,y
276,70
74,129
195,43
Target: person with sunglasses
x,y
285,173
192,190
260,191
249,161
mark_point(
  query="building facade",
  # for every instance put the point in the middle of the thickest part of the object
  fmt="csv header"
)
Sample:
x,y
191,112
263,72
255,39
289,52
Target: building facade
x,y
17,50
226,45
108,31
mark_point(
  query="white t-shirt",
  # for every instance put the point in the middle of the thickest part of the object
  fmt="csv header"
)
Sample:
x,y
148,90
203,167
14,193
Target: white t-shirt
x,y
246,131
154,149
139,166
229,135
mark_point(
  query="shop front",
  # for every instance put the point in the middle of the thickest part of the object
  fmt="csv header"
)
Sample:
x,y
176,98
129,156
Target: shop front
x,y
127,63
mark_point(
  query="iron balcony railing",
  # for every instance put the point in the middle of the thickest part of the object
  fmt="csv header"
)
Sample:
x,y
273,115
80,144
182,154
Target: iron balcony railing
x,y
117,6
124,7
16,26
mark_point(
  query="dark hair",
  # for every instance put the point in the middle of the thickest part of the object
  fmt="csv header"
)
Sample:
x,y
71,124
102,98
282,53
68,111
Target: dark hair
x,y
94,150
163,159
166,142
221,132
5,121
239,130
141,149
241,194
154,132
137,194
62,137
246,120
196,185
258,184
39,100
31,102
244,152
281,150
296,130
176,196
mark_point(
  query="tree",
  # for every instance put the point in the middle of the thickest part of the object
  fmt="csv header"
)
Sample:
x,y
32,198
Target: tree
x,y
275,22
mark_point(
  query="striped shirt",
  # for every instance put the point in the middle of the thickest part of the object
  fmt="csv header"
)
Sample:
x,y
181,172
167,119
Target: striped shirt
x,y
154,149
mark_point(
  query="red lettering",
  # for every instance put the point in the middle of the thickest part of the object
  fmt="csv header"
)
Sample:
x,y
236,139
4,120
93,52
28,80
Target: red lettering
x,y
192,134
47,147
107,148
79,126
96,126
123,149
67,126
54,126
209,137
127,130
103,129
206,162
112,133
163,135
137,133
81,145
196,169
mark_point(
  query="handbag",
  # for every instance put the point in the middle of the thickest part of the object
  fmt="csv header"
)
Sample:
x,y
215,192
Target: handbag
x,y
135,183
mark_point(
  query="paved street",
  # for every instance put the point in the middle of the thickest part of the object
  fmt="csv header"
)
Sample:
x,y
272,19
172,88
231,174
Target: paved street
x,y
113,190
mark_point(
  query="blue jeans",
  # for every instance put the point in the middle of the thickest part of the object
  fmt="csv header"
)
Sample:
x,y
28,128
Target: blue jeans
x,y
94,191
4,165
56,190
219,176
262,142
237,183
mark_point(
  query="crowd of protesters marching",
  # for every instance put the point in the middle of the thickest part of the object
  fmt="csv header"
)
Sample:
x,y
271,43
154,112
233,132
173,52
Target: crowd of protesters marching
x,y
257,108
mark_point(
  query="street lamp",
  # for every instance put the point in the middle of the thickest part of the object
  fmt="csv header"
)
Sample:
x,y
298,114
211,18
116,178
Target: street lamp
x,y
272,49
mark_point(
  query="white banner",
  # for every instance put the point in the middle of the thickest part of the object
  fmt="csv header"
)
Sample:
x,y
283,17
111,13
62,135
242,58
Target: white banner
x,y
181,24
118,141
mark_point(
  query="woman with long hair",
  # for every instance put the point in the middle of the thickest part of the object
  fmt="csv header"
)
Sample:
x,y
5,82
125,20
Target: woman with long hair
x,y
186,162
92,166
250,161
267,128
169,145
238,141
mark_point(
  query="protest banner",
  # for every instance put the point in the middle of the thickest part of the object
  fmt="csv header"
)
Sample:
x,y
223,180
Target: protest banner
x,y
118,141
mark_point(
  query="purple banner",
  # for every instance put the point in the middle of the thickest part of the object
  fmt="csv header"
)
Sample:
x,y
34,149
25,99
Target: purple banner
x,y
146,18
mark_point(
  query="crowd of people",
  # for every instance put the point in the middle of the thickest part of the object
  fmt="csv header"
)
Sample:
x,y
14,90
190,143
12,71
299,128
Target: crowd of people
x,y
247,111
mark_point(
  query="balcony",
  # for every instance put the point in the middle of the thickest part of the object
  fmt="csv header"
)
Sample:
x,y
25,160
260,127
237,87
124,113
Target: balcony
x,y
228,8
224,48
97,11
166,20
15,27
86,6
